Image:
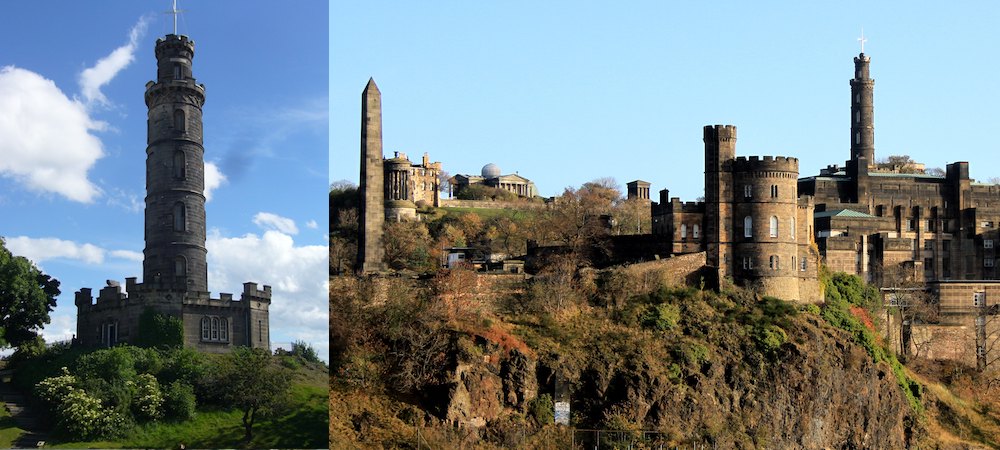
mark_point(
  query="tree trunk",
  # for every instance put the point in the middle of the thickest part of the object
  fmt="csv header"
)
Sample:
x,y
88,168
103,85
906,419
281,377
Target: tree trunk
x,y
249,416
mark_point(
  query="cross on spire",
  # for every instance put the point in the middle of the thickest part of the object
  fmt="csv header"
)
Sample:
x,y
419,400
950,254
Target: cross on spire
x,y
861,39
174,12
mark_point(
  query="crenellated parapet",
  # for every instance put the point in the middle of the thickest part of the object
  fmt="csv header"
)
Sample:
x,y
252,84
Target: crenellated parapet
x,y
768,166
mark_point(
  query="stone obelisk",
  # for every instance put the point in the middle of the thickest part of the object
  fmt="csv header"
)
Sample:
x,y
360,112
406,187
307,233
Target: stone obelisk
x,y
371,255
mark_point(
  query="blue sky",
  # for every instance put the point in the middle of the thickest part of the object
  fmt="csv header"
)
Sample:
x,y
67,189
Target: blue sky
x,y
73,139
566,92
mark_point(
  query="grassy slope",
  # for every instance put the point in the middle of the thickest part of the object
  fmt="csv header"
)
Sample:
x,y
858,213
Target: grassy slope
x,y
9,431
302,425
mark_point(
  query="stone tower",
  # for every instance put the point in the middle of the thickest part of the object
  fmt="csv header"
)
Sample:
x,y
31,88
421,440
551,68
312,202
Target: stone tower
x,y
765,210
720,151
175,253
175,269
862,112
371,255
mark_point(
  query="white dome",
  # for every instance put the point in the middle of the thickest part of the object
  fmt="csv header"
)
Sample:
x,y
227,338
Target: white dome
x,y
491,171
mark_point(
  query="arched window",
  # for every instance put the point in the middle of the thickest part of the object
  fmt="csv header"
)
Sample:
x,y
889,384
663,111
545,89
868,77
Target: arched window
x,y
747,191
793,230
224,330
774,226
180,266
215,328
695,232
180,122
747,226
206,328
180,217
180,165
684,231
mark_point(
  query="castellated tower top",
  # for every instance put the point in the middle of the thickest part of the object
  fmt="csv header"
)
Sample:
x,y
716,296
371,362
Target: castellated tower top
x,y
720,132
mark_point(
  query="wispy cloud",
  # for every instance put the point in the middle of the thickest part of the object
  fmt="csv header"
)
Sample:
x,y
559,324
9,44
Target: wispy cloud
x,y
312,225
93,78
270,221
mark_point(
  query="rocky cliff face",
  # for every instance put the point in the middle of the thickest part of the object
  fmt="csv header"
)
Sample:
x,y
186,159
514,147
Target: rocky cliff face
x,y
814,391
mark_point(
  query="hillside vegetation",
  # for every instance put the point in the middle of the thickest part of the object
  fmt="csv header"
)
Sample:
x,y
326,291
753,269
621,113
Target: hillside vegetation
x,y
411,360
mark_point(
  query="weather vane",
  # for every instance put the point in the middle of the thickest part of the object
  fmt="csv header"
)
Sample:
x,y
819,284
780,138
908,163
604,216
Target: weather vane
x,y
175,12
861,39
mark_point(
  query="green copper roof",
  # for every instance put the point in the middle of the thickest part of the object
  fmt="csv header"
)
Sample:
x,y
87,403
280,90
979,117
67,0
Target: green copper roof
x,y
843,213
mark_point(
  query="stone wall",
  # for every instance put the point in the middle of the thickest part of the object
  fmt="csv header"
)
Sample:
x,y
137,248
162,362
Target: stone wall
x,y
491,204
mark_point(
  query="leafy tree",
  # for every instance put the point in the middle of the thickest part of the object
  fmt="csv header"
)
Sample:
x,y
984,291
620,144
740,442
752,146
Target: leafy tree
x,y
303,350
27,296
250,380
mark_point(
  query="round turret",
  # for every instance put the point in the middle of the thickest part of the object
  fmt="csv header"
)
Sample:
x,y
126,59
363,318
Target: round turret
x,y
764,216
491,171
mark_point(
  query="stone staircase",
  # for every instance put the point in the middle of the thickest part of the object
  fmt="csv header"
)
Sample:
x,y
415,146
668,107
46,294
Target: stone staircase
x,y
24,416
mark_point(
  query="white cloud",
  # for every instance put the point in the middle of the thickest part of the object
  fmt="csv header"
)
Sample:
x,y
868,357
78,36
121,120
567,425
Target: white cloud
x,y
93,78
127,254
61,328
297,275
312,224
213,179
42,249
45,138
275,222
39,250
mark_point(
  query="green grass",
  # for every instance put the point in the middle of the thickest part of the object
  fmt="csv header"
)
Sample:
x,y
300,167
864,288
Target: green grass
x,y
490,213
303,424
9,432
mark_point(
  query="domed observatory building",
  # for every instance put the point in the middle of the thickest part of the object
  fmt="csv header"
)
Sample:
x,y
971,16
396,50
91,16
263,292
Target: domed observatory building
x,y
492,176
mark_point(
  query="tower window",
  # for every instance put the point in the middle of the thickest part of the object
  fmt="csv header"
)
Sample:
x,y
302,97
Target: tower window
x,y
857,116
774,262
177,71
747,226
684,231
774,226
792,229
695,231
180,217
180,266
747,191
180,165
802,265
857,138
180,122
206,333
774,191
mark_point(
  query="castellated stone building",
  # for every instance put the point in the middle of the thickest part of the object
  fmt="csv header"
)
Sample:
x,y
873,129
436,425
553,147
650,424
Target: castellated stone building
x,y
752,225
174,267
895,225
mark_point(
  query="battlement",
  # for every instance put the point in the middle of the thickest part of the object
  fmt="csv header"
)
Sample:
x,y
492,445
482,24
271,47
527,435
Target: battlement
x,y
720,132
766,164
172,44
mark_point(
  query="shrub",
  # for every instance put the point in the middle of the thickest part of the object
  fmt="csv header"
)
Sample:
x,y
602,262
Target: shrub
x,y
184,365
158,330
660,317
77,413
147,402
542,410
179,401
769,338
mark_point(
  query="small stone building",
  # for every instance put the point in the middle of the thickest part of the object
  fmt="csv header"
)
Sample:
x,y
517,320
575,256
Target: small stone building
x,y
491,176
174,266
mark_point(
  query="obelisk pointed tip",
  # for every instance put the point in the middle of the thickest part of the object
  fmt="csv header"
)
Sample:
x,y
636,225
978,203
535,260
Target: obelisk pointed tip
x,y
371,85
